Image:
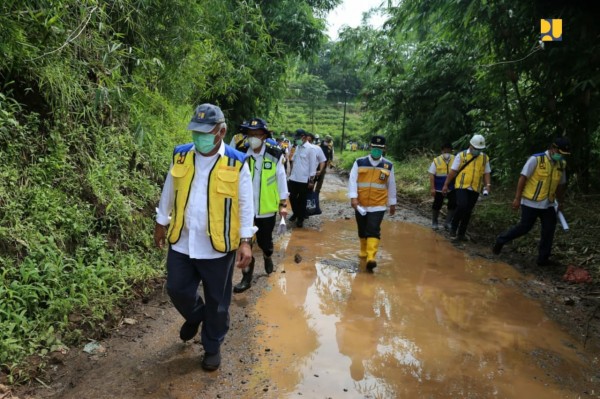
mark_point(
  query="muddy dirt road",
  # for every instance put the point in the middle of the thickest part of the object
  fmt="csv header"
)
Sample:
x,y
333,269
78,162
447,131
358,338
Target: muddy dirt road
x,y
432,321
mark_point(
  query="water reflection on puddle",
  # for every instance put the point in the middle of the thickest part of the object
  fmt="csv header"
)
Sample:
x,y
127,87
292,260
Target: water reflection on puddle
x,y
430,322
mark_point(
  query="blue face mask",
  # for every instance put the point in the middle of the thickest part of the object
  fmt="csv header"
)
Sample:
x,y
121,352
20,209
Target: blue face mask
x,y
557,157
376,153
475,152
204,142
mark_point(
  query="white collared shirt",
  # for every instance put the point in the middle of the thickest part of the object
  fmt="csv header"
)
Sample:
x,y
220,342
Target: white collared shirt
x,y
391,186
194,240
304,163
281,179
320,154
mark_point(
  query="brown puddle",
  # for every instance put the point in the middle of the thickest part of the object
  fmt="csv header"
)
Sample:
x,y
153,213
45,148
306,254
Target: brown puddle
x,y
430,322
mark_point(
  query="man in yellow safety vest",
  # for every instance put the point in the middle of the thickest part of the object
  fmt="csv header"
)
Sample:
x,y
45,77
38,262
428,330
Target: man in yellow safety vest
x,y
371,189
471,168
270,193
542,183
438,171
206,216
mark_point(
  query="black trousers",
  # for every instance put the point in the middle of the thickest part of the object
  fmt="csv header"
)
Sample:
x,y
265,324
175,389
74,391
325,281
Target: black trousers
x,y
183,278
264,235
438,200
369,226
298,193
465,202
320,180
547,218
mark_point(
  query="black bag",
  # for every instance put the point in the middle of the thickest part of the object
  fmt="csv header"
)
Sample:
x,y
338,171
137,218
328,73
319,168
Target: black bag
x,y
312,204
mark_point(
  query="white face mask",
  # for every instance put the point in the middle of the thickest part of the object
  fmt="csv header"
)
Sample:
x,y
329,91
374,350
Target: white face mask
x,y
254,142
446,156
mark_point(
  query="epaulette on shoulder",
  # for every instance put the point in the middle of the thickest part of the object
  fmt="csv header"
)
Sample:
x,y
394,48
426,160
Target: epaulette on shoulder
x,y
183,148
275,151
233,153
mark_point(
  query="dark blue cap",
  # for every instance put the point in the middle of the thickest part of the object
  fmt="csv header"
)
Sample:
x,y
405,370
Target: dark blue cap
x,y
378,141
206,117
258,123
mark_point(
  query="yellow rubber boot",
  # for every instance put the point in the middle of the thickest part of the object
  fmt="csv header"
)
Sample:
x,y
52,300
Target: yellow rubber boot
x,y
363,248
372,246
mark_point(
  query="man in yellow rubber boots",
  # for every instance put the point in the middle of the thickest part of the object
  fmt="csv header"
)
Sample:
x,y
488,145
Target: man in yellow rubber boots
x,y
371,189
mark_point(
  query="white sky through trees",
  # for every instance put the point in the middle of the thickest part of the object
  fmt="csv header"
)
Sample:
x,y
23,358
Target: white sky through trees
x,y
350,13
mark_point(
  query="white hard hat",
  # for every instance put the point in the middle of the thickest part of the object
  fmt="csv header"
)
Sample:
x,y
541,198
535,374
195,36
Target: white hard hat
x,y
478,142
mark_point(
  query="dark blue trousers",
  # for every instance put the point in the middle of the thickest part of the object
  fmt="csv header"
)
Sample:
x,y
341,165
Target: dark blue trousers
x,y
547,217
465,202
183,278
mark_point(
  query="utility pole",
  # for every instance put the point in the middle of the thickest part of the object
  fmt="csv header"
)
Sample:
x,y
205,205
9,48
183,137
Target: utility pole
x,y
344,121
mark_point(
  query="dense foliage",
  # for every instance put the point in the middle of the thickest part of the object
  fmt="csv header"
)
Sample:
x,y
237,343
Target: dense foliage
x,y
444,70
93,95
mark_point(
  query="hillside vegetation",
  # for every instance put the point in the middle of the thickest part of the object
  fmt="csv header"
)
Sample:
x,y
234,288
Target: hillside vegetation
x,y
93,97
294,113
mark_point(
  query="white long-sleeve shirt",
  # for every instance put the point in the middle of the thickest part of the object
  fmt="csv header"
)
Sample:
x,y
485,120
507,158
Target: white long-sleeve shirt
x,y
194,240
304,163
279,173
391,186
319,154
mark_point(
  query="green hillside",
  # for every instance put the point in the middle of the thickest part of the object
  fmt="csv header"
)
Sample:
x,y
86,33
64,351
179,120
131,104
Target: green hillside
x,y
293,113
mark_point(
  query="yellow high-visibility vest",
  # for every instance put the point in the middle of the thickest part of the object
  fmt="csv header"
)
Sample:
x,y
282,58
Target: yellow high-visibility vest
x,y
222,198
545,179
372,182
471,176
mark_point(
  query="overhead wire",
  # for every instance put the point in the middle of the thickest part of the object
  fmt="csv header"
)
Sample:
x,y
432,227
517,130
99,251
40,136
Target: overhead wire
x,y
534,49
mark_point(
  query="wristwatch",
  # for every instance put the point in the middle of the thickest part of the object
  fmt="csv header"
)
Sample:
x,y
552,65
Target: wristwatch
x,y
283,204
247,240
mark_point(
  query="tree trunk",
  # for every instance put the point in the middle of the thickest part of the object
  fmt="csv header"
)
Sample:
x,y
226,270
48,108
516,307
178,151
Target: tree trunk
x,y
524,120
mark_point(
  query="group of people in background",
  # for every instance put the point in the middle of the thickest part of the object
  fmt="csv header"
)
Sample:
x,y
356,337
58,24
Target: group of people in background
x,y
218,200
460,179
